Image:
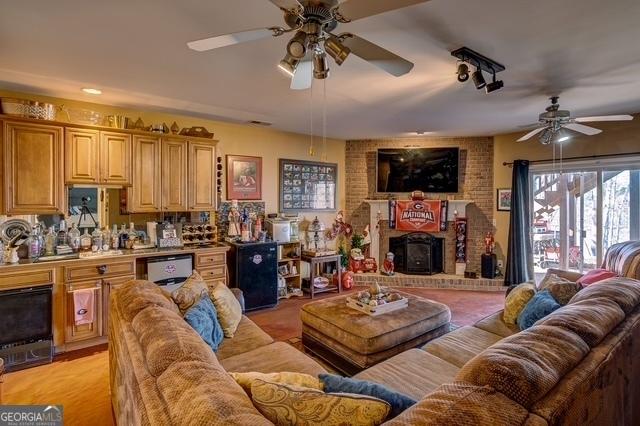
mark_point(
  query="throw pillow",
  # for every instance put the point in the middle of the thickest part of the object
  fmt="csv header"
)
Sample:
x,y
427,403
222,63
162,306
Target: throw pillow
x,y
190,292
560,288
245,380
228,307
541,305
290,405
203,319
516,301
595,276
337,384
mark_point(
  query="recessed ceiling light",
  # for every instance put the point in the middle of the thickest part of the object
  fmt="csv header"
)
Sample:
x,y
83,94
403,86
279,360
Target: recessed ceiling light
x,y
92,91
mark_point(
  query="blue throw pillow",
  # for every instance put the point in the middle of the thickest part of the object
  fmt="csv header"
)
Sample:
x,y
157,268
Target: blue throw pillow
x,y
337,384
203,318
540,305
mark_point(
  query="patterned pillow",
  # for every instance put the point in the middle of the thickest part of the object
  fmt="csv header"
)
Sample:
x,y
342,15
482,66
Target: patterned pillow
x,y
228,307
516,301
595,276
203,319
290,405
560,288
245,380
190,292
541,305
338,384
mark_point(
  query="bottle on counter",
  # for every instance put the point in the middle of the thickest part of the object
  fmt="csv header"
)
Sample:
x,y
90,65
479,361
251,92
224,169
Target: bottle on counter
x,y
114,238
123,237
106,239
133,236
35,246
73,238
96,240
50,243
85,241
62,234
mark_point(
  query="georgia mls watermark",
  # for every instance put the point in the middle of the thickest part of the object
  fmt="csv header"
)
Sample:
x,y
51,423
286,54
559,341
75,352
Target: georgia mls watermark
x,y
30,415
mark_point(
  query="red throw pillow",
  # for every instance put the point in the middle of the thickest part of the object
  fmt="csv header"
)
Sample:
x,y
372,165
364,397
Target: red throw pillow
x,y
595,276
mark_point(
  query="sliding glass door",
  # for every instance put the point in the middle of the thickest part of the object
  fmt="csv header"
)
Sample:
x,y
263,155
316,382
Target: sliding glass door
x,y
581,210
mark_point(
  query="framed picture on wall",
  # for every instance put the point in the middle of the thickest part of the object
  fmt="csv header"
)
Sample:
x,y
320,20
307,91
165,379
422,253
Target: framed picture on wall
x,y
244,177
504,199
307,186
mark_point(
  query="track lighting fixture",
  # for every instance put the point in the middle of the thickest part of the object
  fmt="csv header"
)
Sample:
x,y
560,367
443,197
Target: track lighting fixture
x,y
297,46
478,79
463,72
289,65
338,51
494,85
320,65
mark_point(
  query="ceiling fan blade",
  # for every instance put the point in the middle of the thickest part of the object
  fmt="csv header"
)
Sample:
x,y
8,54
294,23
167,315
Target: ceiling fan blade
x,y
531,134
378,56
581,128
351,10
230,39
604,118
303,77
287,4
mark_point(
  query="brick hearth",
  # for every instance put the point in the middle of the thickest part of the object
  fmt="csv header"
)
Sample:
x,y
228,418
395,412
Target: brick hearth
x,y
438,281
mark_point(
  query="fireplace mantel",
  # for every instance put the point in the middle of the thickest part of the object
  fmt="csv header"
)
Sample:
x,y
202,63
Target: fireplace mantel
x,y
379,210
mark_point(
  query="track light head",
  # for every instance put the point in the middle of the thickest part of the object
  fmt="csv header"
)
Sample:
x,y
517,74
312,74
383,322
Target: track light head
x,y
297,46
478,79
494,85
289,65
320,65
463,72
338,51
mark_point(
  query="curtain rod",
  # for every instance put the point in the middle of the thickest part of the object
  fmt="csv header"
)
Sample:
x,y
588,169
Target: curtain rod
x,y
586,157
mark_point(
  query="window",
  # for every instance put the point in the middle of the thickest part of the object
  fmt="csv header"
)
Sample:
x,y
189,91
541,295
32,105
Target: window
x,y
582,209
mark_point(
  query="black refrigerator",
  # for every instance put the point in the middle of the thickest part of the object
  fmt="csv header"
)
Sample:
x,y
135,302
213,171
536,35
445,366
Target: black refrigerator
x,y
253,268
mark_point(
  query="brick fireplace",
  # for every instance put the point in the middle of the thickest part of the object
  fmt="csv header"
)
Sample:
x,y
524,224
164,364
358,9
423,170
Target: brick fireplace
x,y
475,186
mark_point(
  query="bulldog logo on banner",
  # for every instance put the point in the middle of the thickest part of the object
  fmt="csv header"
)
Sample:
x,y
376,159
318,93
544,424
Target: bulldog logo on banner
x,y
417,216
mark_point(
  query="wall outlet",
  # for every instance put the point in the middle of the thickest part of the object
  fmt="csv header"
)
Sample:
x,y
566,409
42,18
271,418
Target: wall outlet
x,y
495,223
500,264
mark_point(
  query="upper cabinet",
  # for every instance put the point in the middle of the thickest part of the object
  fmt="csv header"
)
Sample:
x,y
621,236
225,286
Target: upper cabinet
x,y
33,157
115,158
174,175
82,156
201,184
145,192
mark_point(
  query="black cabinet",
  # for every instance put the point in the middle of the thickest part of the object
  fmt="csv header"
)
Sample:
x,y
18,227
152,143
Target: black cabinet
x,y
253,268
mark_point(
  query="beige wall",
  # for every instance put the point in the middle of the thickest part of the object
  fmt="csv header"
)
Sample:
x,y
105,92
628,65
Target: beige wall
x,y
238,139
616,138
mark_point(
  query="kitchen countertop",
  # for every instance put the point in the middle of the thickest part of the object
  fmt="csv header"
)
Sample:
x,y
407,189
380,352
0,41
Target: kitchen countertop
x,y
126,254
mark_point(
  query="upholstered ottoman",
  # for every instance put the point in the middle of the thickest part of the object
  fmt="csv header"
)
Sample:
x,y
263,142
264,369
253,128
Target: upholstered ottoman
x,y
351,341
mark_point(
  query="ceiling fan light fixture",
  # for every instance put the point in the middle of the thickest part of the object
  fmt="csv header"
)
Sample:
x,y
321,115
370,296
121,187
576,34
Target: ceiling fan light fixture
x,y
289,65
463,72
320,65
297,46
562,136
338,51
478,79
546,137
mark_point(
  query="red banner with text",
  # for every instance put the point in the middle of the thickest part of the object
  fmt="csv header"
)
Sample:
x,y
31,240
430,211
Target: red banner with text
x,y
418,216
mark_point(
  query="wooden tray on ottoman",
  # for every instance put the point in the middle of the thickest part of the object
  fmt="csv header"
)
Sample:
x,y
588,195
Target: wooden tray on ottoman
x,y
374,311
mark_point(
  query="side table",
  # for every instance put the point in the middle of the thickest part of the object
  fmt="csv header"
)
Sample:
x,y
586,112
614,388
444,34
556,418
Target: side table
x,y
315,266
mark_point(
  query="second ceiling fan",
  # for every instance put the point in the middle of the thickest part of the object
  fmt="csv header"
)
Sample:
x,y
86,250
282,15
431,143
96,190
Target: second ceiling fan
x,y
313,23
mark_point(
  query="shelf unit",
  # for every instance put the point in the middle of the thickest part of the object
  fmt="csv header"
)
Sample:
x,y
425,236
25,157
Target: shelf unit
x,y
289,256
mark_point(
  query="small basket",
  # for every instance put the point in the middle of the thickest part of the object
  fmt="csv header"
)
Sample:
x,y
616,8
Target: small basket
x,y
28,109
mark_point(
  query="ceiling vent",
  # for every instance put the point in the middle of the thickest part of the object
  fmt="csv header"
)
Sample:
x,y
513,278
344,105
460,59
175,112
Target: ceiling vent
x,y
260,123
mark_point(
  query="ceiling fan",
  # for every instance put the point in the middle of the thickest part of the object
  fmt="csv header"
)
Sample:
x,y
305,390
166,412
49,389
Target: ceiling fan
x,y
553,122
313,23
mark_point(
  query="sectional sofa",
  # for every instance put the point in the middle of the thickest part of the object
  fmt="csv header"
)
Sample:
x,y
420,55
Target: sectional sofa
x,y
579,365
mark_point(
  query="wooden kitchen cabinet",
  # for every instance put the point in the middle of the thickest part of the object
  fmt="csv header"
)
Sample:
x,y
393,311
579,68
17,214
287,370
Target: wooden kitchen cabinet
x,y
115,158
82,156
74,332
33,157
201,183
109,285
174,175
145,194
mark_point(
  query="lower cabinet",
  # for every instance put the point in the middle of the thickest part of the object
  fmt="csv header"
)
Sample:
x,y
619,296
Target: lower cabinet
x,y
109,286
77,329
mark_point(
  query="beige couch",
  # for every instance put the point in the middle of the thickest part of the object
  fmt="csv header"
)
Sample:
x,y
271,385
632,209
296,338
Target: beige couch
x,y
579,365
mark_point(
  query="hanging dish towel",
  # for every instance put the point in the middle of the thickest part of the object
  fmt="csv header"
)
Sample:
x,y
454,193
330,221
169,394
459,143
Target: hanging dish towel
x,y
83,306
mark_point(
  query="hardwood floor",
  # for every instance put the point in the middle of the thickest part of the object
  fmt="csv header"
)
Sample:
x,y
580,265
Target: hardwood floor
x,y
80,380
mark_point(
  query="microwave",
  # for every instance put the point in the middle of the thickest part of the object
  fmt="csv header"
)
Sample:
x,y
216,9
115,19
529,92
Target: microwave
x,y
279,230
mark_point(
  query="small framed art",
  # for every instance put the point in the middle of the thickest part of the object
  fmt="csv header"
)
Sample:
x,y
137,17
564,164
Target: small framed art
x,y
504,200
244,177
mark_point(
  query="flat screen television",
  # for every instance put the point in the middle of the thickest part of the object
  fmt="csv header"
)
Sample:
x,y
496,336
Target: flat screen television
x,y
420,169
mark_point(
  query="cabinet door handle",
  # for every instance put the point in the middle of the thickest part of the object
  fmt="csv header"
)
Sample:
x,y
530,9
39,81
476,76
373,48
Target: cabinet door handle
x,y
102,269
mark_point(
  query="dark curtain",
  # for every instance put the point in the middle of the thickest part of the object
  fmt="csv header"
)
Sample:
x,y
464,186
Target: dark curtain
x,y
519,266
